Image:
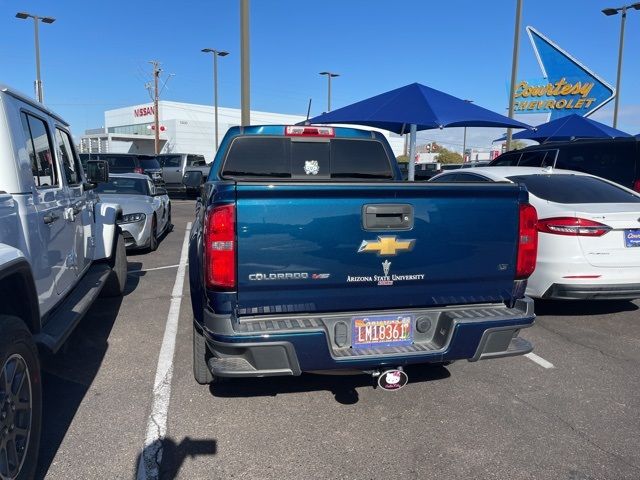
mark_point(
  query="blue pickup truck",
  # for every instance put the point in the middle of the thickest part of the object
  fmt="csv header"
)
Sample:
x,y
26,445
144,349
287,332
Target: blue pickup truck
x,y
309,254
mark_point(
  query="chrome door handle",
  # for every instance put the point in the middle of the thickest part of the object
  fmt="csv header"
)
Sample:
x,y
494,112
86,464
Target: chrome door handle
x,y
50,218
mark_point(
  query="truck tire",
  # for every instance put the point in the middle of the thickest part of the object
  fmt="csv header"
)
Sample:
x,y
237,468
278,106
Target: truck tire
x,y
114,286
21,404
201,371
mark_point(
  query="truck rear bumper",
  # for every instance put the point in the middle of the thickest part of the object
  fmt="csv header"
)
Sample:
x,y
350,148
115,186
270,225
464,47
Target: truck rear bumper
x,y
290,345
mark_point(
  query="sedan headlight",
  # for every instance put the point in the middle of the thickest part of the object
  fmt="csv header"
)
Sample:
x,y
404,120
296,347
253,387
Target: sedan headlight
x,y
132,218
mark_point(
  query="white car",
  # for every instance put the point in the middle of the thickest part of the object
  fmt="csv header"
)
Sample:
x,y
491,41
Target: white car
x,y
589,231
146,208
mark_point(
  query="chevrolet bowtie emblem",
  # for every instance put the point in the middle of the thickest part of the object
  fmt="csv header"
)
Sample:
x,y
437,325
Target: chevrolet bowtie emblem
x,y
386,246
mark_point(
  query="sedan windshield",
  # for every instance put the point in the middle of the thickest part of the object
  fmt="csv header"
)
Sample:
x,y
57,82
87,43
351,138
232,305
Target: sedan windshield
x,y
575,189
124,186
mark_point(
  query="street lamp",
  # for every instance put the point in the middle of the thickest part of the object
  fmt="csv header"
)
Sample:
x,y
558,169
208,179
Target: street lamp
x,y
614,11
464,141
329,76
216,54
36,19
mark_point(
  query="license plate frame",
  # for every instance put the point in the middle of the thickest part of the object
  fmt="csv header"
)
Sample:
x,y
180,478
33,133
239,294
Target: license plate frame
x,y
399,326
632,238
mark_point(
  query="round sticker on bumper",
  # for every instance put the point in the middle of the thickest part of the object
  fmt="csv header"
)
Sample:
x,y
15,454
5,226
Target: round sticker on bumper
x,y
392,379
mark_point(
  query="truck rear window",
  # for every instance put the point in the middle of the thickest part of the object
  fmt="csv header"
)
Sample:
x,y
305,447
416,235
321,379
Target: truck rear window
x,y
284,158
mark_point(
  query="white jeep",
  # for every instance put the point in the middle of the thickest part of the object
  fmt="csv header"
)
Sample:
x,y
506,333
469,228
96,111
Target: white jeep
x,y
60,248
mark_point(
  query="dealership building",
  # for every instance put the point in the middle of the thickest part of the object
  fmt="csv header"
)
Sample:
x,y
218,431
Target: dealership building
x,y
184,128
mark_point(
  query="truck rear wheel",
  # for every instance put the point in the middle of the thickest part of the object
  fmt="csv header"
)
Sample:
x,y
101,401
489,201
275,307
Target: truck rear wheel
x,y
20,400
201,371
114,286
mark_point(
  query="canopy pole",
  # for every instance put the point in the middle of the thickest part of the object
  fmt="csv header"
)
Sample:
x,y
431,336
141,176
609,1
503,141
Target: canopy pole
x,y
412,152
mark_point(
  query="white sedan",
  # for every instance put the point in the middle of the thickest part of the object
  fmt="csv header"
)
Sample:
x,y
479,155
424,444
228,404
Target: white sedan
x,y
146,208
589,231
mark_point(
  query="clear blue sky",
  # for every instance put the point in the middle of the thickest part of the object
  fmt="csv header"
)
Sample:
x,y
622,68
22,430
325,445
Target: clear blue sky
x,y
95,56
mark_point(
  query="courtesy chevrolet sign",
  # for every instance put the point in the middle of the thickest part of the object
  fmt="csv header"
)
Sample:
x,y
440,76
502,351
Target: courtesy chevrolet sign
x,y
386,246
568,85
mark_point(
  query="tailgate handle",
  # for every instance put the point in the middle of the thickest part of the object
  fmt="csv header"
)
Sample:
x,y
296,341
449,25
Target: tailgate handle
x,y
390,216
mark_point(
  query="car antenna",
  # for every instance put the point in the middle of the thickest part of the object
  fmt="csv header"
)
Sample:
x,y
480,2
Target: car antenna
x,y
308,111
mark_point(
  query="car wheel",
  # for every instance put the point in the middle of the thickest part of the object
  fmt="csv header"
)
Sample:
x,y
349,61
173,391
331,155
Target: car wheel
x,y
153,241
201,371
114,286
20,400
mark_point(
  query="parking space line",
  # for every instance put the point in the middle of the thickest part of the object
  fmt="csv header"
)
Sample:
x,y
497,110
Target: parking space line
x,y
154,269
151,455
539,360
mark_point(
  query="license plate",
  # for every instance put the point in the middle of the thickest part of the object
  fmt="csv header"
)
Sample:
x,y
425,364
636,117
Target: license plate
x,y
632,238
382,331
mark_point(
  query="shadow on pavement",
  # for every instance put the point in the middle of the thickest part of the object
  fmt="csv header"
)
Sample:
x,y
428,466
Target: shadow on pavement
x,y
343,387
172,457
67,375
575,308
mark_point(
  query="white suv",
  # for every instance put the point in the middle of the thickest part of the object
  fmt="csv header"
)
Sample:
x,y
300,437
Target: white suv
x,y
60,248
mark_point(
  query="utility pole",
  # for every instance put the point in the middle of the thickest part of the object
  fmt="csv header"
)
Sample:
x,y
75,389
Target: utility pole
x,y
156,112
244,64
514,68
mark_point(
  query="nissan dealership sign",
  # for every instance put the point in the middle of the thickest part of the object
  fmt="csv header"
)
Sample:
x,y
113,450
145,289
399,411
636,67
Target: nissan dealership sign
x,y
143,111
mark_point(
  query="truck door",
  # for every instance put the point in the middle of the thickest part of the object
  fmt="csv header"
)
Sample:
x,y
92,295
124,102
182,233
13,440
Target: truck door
x,y
77,214
55,243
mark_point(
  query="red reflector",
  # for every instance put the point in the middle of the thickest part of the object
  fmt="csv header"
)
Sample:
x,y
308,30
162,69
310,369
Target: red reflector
x,y
220,247
300,131
636,185
527,242
572,226
138,170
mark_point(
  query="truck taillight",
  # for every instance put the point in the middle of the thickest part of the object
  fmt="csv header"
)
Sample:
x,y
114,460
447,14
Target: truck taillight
x,y
300,131
636,185
572,226
220,247
527,242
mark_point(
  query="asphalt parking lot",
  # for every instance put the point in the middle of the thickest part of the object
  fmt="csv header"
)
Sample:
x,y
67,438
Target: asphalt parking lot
x,y
571,412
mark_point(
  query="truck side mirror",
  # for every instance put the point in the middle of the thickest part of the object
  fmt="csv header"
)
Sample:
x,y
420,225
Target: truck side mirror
x,y
97,171
193,179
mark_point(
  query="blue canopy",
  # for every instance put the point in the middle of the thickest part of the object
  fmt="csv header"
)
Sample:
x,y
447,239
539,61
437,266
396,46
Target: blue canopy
x,y
419,105
568,128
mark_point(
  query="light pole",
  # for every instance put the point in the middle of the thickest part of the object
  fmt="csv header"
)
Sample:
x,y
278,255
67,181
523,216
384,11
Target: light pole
x,y
216,54
36,20
514,67
464,138
329,76
614,11
245,82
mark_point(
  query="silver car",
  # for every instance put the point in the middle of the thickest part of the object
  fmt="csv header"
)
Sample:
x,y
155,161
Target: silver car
x,y
146,208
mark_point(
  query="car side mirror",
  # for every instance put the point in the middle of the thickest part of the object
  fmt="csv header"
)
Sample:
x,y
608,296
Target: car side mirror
x,y
193,179
97,171
160,191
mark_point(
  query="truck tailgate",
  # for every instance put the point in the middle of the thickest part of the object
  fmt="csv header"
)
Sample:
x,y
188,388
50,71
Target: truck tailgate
x,y
305,247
